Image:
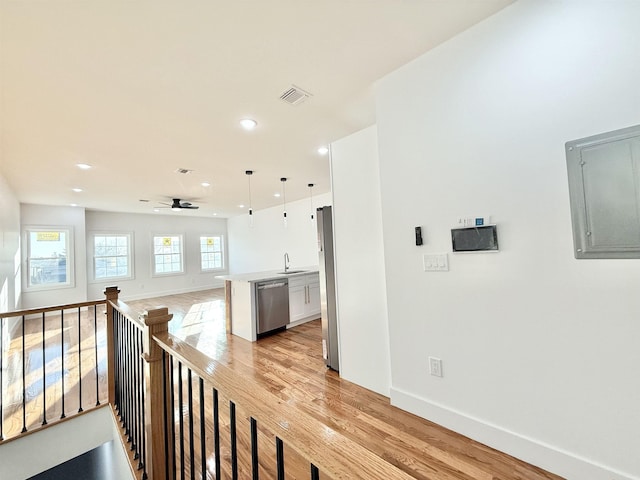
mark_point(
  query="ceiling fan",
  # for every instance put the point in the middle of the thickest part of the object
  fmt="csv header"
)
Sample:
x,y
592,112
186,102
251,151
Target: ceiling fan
x,y
178,204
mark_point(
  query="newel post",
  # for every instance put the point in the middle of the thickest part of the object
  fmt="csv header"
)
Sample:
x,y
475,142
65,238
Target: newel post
x,y
155,321
112,296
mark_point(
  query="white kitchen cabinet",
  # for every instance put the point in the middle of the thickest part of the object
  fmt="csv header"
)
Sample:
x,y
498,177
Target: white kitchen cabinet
x,y
304,298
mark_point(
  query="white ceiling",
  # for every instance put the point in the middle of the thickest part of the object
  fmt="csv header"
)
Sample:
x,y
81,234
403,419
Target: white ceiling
x,y
138,89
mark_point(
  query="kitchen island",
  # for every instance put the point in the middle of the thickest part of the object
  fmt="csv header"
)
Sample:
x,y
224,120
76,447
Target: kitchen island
x,y
246,302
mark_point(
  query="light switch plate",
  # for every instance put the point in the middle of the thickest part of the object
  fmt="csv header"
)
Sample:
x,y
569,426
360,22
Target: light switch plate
x,y
438,262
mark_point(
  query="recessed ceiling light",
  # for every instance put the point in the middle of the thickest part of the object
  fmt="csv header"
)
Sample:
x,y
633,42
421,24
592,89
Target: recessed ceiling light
x,y
156,210
240,206
248,123
205,184
276,194
83,166
77,190
215,214
73,204
323,150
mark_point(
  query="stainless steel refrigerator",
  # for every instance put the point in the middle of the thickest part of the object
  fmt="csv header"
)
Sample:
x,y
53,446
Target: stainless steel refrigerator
x,y
327,288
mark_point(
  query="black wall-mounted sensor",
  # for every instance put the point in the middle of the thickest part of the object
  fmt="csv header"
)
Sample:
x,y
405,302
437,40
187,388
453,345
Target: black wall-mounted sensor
x,y
418,236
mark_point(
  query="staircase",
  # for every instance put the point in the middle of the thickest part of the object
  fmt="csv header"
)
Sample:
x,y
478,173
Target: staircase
x,y
88,443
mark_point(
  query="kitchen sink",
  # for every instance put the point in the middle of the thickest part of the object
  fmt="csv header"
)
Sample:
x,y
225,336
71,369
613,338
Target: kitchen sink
x,y
289,272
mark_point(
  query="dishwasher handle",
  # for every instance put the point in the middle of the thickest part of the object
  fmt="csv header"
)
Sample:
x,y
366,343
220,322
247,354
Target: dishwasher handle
x,y
271,285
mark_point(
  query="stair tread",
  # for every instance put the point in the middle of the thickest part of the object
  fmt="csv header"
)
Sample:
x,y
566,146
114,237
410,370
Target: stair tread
x,y
96,464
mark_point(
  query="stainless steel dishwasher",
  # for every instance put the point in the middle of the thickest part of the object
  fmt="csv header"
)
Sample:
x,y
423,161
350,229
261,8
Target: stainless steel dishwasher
x,y
272,309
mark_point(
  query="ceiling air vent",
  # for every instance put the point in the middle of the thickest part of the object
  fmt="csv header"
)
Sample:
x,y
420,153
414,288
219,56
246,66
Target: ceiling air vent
x,y
295,95
183,171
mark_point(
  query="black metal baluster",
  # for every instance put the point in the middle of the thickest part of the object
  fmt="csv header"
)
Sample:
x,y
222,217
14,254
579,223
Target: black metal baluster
x,y
123,378
79,360
254,448
132,386
126,380
125,383
62,415
173,416
24,381
44,375
165,415
120,380
191,449
234,441
142,409
135,420
203,443
280,458
216,432
1,392
315,474
95,342
116,354
181,421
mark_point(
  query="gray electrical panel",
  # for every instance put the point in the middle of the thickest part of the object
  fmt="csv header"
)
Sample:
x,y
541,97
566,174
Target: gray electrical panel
x,y
604,188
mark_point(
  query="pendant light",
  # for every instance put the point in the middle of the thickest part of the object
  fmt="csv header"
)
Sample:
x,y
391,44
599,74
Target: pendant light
x,y
284,203
248,173
311,185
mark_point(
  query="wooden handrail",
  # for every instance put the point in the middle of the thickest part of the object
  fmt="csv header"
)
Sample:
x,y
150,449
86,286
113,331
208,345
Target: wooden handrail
x,y
53,308
334,454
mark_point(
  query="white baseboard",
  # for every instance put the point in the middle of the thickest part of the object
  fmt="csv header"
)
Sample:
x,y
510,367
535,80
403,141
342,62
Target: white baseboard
x,y
548,457
150,294
303,320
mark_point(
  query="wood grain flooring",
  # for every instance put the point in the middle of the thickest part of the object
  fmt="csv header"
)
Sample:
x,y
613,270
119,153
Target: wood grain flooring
x,y
289,365
67,355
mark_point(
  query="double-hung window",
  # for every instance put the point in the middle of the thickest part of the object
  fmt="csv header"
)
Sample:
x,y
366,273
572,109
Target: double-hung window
x,y
49,257
112,256
211,253
167,254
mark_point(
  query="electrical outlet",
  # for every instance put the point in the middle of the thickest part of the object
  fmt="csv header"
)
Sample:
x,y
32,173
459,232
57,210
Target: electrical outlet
x,y
435,366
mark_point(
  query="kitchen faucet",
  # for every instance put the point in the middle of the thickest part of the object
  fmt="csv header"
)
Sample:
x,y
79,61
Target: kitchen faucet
x,y
286,262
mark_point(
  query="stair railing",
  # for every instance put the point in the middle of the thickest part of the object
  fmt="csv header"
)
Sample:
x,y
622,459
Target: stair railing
x,y
51,365
203,420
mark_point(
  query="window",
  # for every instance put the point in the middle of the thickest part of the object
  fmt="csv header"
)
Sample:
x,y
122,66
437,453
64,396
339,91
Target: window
x,y
112,256
167,254
48,258
211,253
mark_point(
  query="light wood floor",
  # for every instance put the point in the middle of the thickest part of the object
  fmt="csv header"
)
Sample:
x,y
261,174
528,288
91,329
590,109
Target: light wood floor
x,y
289,365
63,357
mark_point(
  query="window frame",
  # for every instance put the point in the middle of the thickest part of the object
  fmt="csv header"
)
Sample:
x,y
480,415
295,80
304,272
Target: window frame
x,y
222,262
70,257
154,272
130,255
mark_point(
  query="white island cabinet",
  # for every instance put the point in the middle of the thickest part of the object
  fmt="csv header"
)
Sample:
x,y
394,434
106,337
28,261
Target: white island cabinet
x,y
240,293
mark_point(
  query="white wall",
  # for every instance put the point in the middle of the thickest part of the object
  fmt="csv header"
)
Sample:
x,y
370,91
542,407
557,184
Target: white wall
x,y
357,228
48,216
143,228
10,281
540,350
262,247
